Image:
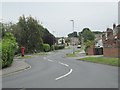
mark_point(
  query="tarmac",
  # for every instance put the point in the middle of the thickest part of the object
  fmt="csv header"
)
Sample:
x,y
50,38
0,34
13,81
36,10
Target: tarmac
x,y
19,65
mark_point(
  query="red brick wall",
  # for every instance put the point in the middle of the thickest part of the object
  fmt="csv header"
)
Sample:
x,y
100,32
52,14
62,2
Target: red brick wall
x,y
111,52
91,51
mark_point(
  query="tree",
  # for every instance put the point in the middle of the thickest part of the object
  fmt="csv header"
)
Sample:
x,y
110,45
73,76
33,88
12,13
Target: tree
x,y
87,35
80,37
74,34
29,34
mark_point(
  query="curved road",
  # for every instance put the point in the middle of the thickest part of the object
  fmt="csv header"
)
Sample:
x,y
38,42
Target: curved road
x,y
55,71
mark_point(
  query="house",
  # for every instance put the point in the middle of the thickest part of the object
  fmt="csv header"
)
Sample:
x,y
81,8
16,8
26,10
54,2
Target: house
x,y
111,42
74,40
60,40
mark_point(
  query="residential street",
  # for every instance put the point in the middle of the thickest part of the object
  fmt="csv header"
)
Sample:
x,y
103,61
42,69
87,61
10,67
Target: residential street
x,y
57,71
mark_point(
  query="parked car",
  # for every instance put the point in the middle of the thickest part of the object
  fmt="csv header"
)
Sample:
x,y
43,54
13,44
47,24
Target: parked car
x,y
79,46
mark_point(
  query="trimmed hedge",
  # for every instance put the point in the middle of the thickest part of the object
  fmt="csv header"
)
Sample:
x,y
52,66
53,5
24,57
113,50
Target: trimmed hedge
x,y
0,54
57,47
8,49
46,47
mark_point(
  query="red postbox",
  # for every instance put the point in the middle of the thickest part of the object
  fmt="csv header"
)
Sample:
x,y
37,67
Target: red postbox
x,y
22,51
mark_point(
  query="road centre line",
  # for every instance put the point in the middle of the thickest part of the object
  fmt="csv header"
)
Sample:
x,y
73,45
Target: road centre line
x,y
70,70
63,64
65,75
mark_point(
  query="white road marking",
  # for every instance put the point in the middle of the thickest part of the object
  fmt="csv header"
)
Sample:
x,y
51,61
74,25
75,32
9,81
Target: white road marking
x,y
50,60
65,75
63,64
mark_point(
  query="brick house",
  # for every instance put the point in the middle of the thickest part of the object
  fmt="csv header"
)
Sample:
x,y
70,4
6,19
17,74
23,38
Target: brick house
x,y
111,42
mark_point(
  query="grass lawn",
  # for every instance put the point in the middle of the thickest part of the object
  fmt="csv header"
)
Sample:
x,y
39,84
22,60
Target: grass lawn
x,y
102,60
75,54
25,57
71,55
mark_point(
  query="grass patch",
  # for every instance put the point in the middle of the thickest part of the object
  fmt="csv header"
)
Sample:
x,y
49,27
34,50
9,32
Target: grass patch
x,y
25,57
71,55
102,60
78,51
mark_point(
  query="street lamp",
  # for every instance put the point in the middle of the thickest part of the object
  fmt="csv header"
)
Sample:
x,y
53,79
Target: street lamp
x,y
73,34
53,40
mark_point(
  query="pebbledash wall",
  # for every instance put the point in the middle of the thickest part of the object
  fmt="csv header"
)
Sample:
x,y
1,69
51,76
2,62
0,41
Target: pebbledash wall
x,y
111,42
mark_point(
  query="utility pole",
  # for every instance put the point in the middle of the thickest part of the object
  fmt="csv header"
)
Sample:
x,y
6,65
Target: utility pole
x,y
53,41
73,34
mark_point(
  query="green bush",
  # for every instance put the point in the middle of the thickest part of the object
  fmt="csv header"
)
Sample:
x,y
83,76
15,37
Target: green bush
x,y
8,49
46,47
0,54
57,47
87,45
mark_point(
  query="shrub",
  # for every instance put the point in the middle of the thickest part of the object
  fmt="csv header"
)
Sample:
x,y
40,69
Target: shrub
x,y
8,49
0,54
87,45
46,47
57,47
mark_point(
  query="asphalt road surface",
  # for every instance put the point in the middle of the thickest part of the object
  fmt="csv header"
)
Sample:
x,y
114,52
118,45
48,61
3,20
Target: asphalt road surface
x,y
55,71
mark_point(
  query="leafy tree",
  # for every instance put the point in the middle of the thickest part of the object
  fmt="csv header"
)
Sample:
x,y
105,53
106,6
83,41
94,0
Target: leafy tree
x,y
29,34
74,34
49,39
80,37
87,35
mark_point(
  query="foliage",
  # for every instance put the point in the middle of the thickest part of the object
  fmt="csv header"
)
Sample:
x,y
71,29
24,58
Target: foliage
x,y
0,54
87,45
80,38
74,34
8,49
87,35
29,33
48,38
46,47
67,40
57,47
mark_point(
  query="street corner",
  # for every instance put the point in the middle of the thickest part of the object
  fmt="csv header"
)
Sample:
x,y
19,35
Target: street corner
x,y
17,66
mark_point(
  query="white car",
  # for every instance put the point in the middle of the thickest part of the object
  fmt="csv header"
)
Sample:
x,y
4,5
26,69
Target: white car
x,y
79,46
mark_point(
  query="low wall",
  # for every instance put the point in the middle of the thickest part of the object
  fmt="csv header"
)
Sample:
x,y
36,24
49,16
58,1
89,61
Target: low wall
x,y
95,51
111,52
91,51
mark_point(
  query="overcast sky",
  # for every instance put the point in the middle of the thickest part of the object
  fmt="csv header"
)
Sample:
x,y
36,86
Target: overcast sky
x,y
56,16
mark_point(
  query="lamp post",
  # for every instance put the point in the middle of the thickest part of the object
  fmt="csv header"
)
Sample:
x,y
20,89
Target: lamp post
x,y
53,41
73,34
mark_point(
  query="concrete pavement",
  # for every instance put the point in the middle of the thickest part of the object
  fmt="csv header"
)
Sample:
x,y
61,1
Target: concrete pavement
x,y
17,66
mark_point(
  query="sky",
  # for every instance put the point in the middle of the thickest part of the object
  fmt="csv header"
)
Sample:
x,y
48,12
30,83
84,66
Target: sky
x,y
56,16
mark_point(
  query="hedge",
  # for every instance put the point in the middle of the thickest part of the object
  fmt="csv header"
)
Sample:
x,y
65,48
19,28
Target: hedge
x,y
46,47
8,49
0,54
57,47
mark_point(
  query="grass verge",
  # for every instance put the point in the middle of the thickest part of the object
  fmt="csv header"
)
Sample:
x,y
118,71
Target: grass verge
x,y
25,57
71,55
102,60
